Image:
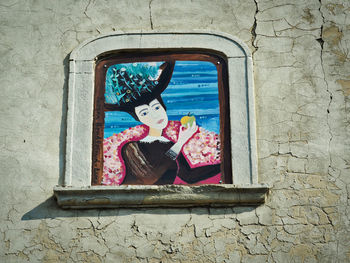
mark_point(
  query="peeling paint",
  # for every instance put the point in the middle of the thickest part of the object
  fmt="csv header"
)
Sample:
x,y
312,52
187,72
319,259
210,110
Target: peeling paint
x,y
345,85
332,35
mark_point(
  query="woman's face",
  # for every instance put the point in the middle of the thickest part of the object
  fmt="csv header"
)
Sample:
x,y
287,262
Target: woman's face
x,y
153,115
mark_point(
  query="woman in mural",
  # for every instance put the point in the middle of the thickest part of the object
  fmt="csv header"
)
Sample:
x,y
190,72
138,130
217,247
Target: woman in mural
x,y
159,151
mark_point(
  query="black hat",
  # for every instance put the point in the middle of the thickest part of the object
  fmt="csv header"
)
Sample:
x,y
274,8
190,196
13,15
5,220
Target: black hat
x,y
132,84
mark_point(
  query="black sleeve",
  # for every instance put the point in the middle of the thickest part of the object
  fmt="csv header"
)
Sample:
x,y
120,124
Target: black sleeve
x,y
194,175
147,166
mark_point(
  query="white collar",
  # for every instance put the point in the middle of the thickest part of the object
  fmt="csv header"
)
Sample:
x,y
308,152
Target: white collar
x,y
149,138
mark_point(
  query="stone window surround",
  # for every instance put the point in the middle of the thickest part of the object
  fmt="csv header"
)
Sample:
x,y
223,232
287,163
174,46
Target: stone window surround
x,y
77,192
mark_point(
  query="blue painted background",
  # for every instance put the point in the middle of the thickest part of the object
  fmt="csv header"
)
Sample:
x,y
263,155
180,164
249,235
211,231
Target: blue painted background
x,y
193,88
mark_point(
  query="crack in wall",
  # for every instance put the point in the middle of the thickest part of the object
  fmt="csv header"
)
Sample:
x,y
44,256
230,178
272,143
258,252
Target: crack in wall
x,y
150,13
72,29
253,30
321,41
85,10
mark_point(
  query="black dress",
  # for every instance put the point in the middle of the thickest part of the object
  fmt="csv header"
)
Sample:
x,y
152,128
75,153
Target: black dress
x,y
148,163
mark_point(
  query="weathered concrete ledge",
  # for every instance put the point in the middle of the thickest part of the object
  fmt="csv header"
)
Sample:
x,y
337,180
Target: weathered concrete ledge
x,y
156,196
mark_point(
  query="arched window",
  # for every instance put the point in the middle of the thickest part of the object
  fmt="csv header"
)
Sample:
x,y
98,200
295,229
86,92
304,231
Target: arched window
x,y
210,77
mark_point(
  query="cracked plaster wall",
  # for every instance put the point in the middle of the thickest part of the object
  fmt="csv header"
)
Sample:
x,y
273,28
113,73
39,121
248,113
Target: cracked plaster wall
x,y
302,79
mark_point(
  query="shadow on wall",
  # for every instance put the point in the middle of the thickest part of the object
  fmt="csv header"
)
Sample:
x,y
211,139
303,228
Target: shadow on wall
x,y
63,126
50,210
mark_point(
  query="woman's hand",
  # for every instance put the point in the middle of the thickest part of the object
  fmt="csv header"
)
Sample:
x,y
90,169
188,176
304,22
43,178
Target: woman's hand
x,y
186,133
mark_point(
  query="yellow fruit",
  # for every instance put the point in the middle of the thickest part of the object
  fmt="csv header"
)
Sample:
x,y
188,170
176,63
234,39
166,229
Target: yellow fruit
x,y
187,120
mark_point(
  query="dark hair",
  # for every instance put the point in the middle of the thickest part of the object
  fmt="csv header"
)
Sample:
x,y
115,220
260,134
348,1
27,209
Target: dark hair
x,y
132,110
161,84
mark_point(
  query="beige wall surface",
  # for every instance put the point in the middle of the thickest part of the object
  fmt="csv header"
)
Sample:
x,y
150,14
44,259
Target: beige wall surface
x,y
302,90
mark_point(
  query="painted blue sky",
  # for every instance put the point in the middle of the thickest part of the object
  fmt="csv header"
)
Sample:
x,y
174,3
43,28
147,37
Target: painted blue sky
x,y
193,88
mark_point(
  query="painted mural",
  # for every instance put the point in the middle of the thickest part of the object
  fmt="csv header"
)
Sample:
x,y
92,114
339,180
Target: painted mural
x,y
165,126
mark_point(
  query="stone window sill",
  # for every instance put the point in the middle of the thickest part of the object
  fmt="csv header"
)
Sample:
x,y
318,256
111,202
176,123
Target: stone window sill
x,y
159,196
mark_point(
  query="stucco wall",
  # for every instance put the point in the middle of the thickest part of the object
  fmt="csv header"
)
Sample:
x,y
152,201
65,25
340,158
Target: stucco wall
x,y
302,80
